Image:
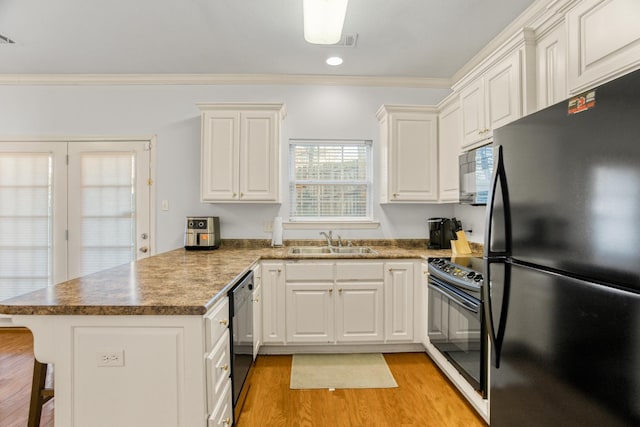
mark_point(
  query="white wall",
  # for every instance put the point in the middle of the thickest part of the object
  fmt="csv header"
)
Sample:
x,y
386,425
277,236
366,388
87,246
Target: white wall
x,y
472,218
170,113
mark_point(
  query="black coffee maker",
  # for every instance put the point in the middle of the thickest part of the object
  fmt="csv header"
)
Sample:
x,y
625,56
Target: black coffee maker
x,y
442,231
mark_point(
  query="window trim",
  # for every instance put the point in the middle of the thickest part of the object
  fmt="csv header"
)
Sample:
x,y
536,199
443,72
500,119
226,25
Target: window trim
x,y
316,222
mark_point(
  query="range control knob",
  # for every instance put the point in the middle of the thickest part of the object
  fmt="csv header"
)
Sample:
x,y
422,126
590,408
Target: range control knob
x,y
478,278
470,275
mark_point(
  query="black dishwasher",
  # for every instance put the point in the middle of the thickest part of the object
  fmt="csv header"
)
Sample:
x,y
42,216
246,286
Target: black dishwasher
x,y
241,315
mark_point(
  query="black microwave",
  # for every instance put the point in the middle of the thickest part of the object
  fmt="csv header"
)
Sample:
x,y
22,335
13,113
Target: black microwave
x,y
476,169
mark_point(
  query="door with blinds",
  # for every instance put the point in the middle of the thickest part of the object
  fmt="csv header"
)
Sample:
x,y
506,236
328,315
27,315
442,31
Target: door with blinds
x,y
108,200
33,184
71,209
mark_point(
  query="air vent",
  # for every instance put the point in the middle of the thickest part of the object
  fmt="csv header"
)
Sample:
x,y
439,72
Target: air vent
x,y
5,40
347,40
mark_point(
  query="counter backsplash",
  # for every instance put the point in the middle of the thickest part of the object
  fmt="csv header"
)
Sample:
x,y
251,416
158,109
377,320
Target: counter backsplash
x,y
399,243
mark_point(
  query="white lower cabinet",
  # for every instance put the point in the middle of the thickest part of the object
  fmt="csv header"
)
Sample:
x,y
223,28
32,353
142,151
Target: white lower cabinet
x,y
350,301
309,302
310,312
223,414
218,365
257,310
218,371
273,303
398,285
359,312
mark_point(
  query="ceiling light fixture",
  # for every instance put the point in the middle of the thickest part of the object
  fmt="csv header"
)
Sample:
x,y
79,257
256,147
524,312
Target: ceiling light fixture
x,y
323,20
334,60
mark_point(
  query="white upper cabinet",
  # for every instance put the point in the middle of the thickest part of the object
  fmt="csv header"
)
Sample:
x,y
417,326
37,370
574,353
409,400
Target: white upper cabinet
x,y
491,100
551,60
409,153
449,146
604,41
241,152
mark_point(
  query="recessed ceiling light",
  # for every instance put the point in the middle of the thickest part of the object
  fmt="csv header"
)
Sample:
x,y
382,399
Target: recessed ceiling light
x,y
334,60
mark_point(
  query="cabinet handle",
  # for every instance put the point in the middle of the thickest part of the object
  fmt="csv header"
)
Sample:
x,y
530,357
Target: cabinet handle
x,y
224,367
256,300
234,195
241,194
340,291
279,270
227,421
395,194
223,322
391,269
330,291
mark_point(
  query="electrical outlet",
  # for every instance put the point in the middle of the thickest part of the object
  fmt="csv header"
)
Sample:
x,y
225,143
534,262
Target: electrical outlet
x,y
267,226
164,205
110,358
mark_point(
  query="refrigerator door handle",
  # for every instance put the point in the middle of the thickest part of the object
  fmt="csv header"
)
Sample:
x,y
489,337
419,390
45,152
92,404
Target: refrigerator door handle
x,y
499,176
496,327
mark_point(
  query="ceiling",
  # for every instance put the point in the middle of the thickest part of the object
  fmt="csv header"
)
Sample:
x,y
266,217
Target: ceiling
x,y
396,38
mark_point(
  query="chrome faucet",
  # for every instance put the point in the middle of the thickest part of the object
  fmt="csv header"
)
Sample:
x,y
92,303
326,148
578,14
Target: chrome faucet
x,y
329,237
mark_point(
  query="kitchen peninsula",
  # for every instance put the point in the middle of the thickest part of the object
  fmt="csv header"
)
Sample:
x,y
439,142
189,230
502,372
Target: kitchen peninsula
x,y
153,317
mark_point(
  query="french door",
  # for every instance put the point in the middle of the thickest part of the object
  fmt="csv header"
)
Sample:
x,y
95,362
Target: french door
x,y
71,208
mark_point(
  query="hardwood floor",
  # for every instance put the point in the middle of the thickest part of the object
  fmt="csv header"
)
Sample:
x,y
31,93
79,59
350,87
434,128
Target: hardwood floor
x,y
424,397
16,372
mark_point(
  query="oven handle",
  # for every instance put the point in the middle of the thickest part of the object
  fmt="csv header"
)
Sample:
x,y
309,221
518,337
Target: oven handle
x,y
462,303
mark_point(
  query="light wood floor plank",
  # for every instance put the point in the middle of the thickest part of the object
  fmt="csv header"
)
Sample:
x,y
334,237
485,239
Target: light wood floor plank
x,y
424,397
16,372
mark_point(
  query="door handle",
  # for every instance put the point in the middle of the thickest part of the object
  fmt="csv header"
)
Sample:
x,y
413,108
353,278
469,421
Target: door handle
x,y
499,176
144,249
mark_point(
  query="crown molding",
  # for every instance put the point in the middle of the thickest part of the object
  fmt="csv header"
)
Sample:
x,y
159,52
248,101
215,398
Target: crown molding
x,y
532,13
222,79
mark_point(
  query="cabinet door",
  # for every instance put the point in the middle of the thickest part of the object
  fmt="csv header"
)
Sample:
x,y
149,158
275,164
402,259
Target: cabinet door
x,y
273,303
472,104
413,158
502,93
220,154
259,156
551,55
310,312
257,310
604,41
449,143
398,287
359,312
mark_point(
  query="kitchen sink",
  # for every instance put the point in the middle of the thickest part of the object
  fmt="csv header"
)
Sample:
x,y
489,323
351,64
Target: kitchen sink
x,y
325,250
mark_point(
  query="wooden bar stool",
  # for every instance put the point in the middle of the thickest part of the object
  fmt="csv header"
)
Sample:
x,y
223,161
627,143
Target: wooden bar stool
x,y
39,393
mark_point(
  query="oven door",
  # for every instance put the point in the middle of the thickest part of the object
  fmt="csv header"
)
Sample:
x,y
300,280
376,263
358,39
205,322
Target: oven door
x,y
455,329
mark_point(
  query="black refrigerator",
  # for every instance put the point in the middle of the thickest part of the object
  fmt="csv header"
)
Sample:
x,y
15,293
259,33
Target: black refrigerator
x,y
562,253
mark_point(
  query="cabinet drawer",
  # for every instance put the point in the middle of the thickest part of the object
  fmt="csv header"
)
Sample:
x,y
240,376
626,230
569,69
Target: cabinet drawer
x,y
307,271
216,322
222,416
359,271
218,370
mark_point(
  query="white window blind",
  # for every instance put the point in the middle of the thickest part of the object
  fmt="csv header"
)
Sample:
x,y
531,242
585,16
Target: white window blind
x,y
330,180
108,210
25,222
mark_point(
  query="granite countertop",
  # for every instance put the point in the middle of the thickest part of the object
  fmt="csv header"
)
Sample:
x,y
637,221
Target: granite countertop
x,y
178,282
